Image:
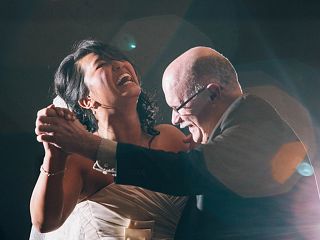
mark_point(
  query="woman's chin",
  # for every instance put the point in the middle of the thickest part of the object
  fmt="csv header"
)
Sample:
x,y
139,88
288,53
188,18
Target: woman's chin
x,y
130,90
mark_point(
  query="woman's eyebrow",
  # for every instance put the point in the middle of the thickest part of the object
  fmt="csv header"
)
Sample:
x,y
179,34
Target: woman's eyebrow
x,y
99,59
98,62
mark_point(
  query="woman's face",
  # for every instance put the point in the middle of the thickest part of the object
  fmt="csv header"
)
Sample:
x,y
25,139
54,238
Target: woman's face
x,y
110,83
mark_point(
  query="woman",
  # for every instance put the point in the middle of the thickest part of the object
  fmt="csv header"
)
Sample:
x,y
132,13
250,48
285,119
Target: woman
x,y
100,85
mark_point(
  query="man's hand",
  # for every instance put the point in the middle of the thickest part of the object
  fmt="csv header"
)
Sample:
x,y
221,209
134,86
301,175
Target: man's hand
x,y
59,127
63,112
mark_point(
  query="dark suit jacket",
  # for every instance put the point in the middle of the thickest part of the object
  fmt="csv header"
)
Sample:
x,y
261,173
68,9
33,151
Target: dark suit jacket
x,y
245,179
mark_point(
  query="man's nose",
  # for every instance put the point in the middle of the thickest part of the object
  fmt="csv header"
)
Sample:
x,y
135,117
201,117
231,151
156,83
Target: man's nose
x,y
175,118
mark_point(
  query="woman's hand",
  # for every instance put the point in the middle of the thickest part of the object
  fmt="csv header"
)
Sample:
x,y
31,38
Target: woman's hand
x,y
53,151
189,140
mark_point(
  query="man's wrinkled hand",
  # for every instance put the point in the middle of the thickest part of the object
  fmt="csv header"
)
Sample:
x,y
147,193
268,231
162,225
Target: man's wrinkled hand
x,y
59,127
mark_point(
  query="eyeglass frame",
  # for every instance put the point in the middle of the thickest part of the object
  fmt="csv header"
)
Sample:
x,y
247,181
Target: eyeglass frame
x,y
189,99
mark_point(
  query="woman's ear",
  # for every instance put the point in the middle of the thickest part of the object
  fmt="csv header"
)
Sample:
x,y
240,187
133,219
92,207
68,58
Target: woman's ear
x,y
214,90
86,102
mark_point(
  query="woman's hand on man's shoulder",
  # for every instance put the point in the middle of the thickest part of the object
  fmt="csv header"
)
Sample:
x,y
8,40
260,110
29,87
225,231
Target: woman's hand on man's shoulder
x,y
170,139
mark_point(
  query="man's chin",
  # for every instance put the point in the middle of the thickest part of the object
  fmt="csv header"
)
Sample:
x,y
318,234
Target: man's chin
x,y
196,138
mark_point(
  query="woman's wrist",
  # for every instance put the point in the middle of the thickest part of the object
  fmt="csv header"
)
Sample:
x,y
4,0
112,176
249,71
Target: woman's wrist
x,y
51,173
54,163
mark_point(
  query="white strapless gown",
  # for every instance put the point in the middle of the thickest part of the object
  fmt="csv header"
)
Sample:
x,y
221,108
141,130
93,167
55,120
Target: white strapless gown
x,y
119,212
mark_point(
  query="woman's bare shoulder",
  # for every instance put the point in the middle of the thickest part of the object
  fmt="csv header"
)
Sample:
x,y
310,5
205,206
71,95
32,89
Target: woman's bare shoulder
x,y
170,139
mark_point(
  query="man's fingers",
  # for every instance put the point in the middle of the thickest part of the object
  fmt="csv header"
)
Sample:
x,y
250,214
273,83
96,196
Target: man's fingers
x,y
49,125
52,111
48,112
59,112
47,141
48,120
65,113
45,129
46,138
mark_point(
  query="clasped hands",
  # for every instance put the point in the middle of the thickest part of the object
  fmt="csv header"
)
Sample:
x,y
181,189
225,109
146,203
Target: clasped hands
x,y
59,127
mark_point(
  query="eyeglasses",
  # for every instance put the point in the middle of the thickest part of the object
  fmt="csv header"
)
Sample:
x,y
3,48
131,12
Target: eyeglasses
x,y
189,99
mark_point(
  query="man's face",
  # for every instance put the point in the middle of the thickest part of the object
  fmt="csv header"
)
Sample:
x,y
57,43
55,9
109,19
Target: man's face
x,y
190,114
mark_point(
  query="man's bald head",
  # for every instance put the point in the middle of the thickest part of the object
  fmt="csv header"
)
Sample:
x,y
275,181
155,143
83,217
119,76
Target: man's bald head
x,y
199,86
200,66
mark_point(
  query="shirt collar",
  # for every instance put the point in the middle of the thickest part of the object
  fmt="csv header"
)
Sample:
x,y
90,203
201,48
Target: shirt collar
x,y
226,113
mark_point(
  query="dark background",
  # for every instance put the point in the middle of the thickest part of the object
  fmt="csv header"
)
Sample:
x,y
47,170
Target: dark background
x,y
269,42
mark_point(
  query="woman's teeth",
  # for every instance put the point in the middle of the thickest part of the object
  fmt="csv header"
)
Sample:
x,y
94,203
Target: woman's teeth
x,y
124,79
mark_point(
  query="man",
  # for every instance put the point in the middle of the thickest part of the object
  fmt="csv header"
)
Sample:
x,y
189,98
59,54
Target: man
x,y
243,171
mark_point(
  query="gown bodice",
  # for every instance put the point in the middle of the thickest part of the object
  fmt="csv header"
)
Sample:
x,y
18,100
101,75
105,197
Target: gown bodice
x,y
120,212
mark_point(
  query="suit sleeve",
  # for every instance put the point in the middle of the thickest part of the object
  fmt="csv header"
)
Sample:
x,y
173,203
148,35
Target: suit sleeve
x,y
171,173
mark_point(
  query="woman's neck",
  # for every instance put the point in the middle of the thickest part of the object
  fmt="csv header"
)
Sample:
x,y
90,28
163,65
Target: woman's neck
x,y
120,126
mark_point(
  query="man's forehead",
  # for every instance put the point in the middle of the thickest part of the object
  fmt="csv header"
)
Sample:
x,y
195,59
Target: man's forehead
x,y
175,91
174,81
177,72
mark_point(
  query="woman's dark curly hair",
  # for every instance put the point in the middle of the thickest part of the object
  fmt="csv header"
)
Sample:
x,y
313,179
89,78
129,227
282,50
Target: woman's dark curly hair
x,y
69,85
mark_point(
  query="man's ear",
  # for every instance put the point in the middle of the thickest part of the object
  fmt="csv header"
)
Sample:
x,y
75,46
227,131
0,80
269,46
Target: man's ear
x,y
86,102
214,90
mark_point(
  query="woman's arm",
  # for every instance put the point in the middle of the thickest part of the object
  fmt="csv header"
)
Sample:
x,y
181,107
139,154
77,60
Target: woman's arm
x,y
55,196
52,198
